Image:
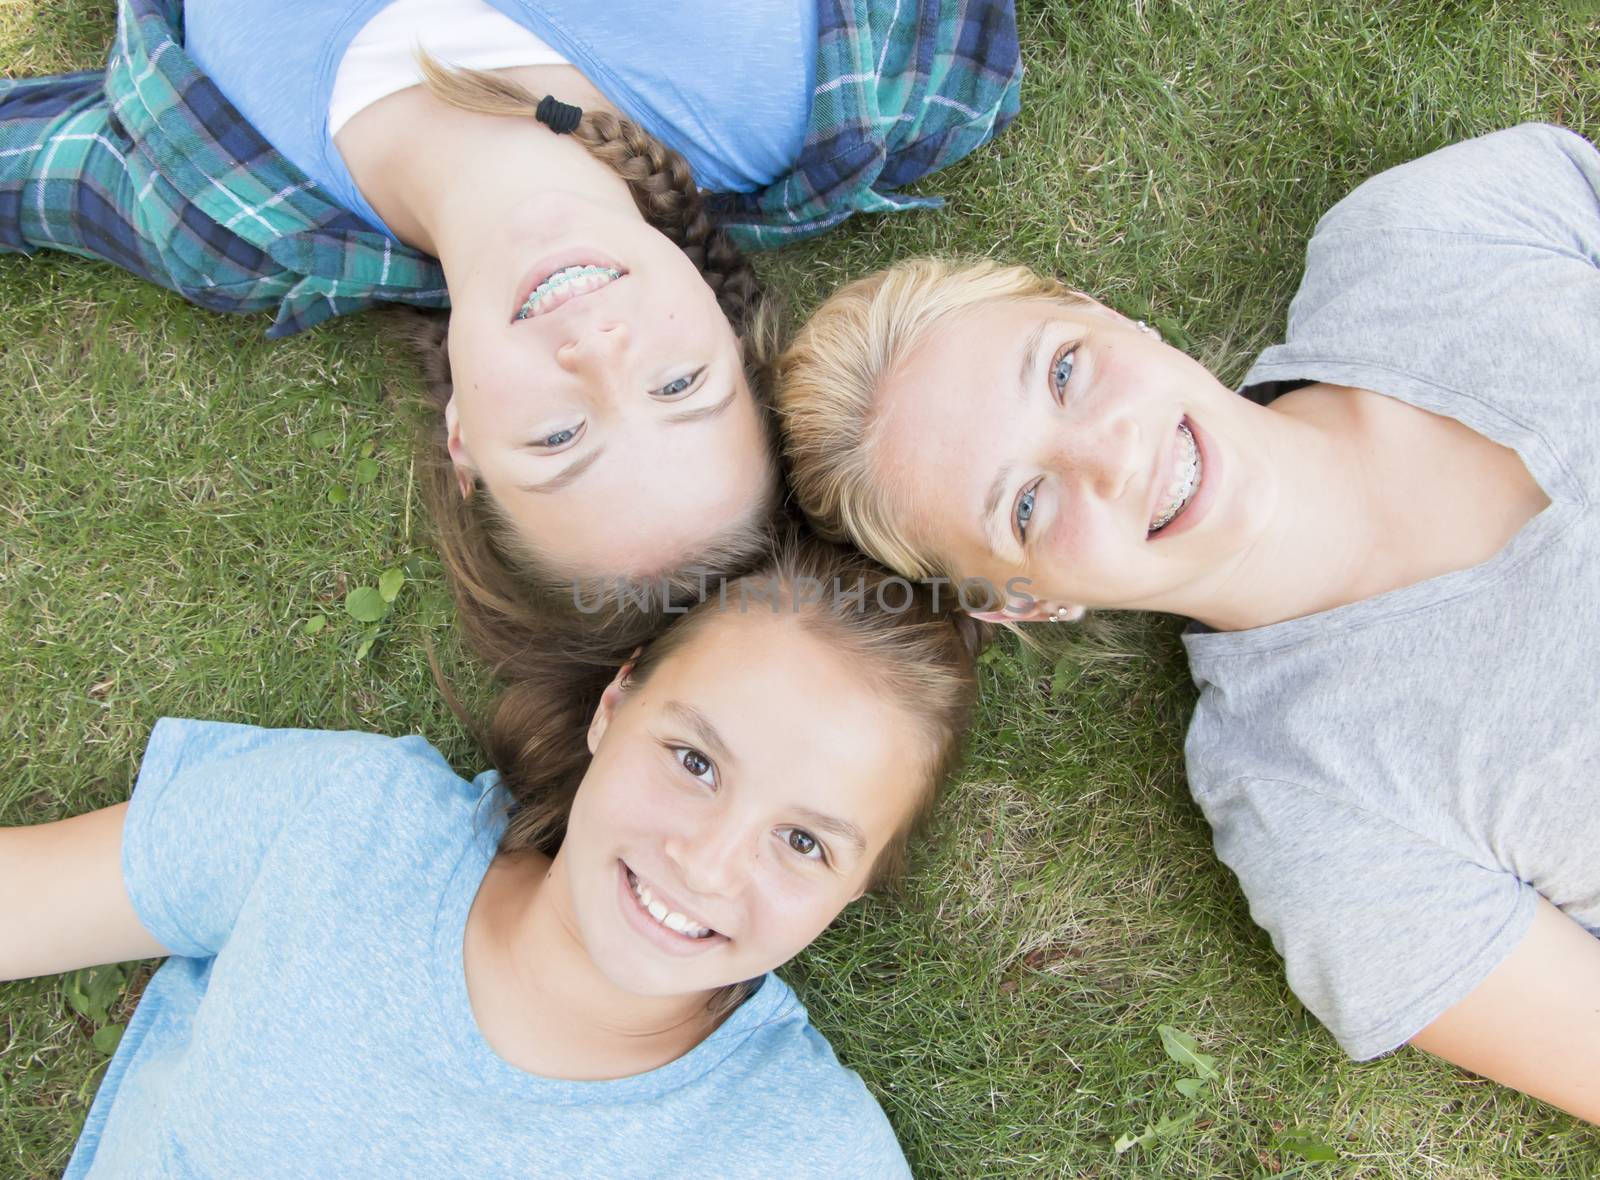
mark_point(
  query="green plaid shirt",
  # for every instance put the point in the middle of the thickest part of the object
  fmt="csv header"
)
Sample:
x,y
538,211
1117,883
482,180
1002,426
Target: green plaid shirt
x,y
148,166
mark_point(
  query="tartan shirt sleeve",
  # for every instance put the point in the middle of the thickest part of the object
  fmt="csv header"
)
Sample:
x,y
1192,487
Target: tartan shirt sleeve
x,y
148,166
903,89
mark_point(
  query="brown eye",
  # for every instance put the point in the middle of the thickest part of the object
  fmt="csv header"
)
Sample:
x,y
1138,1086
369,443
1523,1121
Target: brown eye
x,y
696,764
802,842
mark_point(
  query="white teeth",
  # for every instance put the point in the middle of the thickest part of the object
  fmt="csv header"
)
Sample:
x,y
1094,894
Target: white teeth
x,y
567,283
1185,479
671,919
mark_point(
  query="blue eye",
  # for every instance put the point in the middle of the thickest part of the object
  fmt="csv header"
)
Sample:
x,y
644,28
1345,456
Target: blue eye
x,y
680,386
1025,511
560,438
1061,372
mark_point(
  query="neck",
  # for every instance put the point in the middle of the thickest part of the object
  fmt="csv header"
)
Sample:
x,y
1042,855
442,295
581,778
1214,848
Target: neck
x,y
540,1001
447,181
1316,550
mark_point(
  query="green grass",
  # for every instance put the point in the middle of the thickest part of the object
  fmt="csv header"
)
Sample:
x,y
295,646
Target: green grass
x,y
166,529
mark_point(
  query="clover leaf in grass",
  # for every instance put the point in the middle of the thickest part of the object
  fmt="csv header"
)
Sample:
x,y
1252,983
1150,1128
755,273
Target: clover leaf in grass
x,y
107,1038
315,624
390,582
365,604
324,438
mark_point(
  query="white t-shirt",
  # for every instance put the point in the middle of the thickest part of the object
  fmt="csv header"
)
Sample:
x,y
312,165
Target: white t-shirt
x,y
467,34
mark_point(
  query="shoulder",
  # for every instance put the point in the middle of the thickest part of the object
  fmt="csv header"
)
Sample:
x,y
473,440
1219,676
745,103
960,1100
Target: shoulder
x,y
312,769
1518,183
799,1098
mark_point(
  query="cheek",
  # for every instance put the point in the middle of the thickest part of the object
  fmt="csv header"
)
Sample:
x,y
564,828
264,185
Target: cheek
x,y
792,911
619,800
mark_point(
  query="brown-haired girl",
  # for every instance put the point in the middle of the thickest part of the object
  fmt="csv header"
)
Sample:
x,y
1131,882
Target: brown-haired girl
x,y
594,414
560,969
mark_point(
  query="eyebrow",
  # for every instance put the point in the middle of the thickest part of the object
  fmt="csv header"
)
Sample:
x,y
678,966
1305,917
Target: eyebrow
x,y
842,828
992,501
704,730
1030,355
573,470
703,412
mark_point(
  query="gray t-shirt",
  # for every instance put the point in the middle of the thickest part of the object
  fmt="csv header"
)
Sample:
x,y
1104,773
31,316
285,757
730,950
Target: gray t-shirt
x,y
1394,780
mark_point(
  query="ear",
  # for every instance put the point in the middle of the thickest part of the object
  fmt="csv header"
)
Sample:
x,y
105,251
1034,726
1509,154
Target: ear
x,y
1037,610
609,700
466,473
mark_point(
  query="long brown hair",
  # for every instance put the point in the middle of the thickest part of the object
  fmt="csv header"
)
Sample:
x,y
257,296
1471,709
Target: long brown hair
x,y
924,659
515,610
920,657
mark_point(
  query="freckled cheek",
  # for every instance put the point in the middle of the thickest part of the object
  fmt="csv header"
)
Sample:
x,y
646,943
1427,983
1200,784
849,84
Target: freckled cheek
x,y
1082,540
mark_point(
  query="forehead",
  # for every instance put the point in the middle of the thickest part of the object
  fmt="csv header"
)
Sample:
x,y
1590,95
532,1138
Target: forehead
x,y
947,419
802,723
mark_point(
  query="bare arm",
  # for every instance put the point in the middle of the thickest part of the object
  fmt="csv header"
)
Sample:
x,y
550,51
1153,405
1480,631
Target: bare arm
x,y
1534,1023
63,904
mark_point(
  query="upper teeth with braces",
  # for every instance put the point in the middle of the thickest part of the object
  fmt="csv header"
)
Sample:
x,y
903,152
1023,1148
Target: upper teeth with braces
x,y
1185,479
592,278
671,919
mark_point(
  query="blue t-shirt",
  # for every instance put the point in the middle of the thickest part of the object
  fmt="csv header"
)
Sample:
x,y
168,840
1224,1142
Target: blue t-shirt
x,y
314,1019
726,83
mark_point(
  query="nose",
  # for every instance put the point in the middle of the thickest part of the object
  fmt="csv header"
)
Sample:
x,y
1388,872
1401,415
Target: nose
x,y
1103,454
595,348
713,856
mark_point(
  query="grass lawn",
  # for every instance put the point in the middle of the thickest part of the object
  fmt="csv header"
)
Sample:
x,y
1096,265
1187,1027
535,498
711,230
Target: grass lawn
x,y
178,498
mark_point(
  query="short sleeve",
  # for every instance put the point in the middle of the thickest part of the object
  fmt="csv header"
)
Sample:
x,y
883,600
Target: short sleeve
x,y
1380,929
1418,279
210,801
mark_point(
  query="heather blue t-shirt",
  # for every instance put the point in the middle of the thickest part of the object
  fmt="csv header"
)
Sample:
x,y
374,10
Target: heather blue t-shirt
x,y
314,1018
726,83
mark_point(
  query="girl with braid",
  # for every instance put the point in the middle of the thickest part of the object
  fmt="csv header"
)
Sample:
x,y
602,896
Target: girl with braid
x,y
533,166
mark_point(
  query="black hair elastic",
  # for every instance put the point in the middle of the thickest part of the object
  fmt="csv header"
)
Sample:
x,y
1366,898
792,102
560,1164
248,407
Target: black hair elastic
x,y
560,117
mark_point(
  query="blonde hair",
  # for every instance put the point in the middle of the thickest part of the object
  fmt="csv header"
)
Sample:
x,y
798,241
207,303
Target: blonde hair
x,y
827,384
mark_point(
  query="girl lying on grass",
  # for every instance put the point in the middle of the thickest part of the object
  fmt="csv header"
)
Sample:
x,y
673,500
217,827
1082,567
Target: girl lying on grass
x,y
1388,547
561,969
594,416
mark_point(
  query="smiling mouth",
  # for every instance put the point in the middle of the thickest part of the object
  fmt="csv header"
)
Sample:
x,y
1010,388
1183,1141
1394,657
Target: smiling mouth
x,y
564,285
679,924
1184,482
